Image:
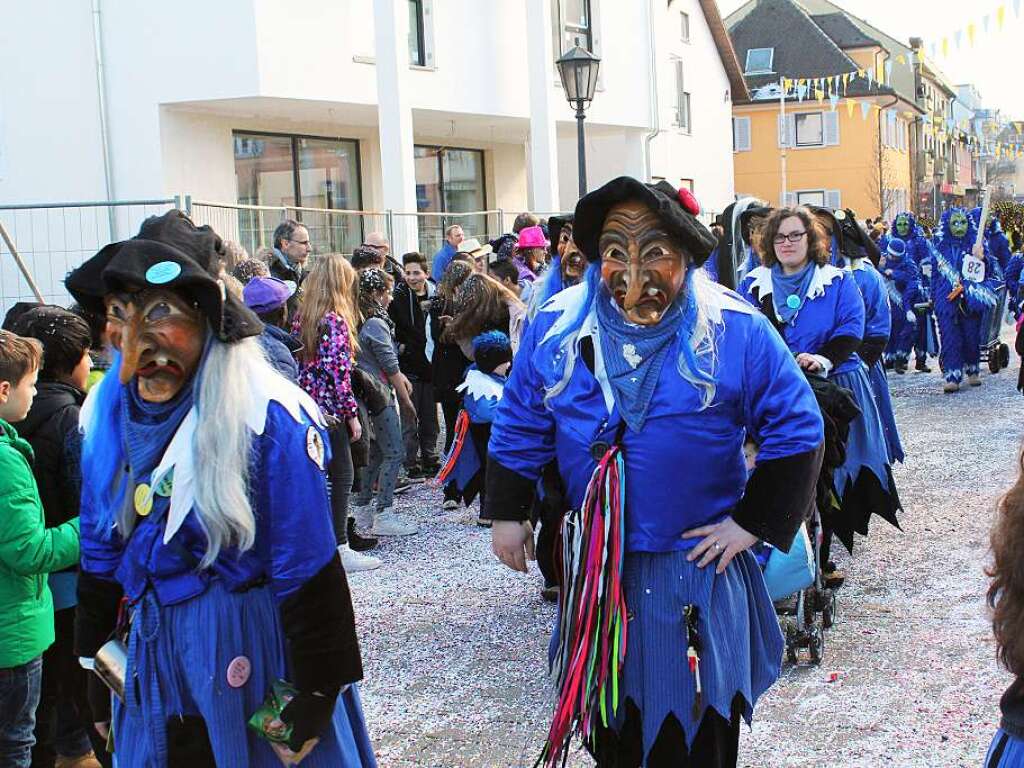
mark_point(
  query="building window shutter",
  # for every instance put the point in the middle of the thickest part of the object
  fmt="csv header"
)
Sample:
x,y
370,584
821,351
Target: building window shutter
x,y
833,199
787,131
741,134
680,114
831,129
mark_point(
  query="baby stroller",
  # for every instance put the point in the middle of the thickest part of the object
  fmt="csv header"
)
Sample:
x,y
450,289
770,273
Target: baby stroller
x,y
806,613
994,351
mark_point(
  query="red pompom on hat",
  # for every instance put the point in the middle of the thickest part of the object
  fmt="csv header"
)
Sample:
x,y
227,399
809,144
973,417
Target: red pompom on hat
x,y
689,202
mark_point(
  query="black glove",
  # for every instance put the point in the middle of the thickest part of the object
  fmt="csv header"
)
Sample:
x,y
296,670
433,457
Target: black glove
x,y
309,715
96,613
98,696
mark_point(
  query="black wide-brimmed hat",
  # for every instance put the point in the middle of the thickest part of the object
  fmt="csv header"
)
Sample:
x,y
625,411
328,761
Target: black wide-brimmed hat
x,y
854,241
170,252
677,209
555,226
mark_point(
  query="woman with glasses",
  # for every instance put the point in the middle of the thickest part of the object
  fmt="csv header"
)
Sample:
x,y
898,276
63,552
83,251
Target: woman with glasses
x,y
818,310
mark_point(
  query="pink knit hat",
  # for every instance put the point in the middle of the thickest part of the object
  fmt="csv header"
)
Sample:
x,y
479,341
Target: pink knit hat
x,y
532,237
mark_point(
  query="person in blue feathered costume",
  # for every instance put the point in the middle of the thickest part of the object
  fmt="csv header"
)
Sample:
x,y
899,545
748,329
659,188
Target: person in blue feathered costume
x,y
903,289
639,380
919,248
1012,278
961,303
482,389
997,244
206,536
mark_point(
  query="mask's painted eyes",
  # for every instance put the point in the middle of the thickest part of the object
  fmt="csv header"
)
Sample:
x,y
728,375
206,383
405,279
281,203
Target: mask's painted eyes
x,y
615,253
653,253
159,311
116,312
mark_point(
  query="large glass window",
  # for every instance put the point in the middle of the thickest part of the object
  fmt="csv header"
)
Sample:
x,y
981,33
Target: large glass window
x,y
759,61
449,180
298,172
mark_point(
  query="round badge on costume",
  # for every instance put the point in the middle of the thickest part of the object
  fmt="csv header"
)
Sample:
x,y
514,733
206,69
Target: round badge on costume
x,y
315,447
166,485
793,301
163,272
239,671
840,215
143,500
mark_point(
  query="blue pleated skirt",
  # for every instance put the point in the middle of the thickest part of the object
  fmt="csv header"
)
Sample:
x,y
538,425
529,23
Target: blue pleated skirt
x,y
739,633
880,387
178,658
1005,751
866,447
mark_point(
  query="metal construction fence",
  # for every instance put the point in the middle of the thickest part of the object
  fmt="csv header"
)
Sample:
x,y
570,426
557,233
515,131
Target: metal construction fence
x,y
54,238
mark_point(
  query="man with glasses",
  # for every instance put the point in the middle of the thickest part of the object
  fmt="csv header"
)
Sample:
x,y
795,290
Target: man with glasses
x,y
291,251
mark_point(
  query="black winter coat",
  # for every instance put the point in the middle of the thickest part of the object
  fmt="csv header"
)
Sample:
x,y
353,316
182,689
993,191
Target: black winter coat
x,y
448,366
51,428
410,320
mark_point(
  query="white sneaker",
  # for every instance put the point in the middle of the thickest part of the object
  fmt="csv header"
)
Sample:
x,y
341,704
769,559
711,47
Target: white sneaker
x,y
387,523
450,505
353,561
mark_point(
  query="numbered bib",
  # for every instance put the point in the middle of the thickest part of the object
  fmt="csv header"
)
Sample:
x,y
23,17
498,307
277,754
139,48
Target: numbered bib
x,y
973,268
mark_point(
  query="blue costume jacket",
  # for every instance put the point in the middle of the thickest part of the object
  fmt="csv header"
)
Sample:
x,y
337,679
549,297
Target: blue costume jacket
x,y
832,308
903,288
760,392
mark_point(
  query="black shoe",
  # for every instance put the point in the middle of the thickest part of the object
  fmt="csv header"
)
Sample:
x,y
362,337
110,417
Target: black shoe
x,y
900,368
431,470
356,542
415,471
922,366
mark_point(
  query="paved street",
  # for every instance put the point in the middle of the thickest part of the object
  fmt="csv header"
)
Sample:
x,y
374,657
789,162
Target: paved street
x,y
454,645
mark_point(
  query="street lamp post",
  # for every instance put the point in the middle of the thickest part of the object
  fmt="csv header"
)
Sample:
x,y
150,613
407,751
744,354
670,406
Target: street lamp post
x,y
578,70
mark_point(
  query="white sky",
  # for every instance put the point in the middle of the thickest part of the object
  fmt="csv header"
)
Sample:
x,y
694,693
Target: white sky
x,y
992,64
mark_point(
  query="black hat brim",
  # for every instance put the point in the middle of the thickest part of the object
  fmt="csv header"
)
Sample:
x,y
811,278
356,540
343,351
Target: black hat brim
x,y
686,229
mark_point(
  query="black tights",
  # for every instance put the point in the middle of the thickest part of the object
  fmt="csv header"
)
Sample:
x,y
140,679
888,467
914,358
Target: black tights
x,y
339,479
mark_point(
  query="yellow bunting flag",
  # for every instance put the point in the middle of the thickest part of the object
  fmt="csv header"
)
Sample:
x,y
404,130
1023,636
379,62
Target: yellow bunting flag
x,y
1000,16
901,59
846,80
945,46
920,54
850,106
971,29
860,73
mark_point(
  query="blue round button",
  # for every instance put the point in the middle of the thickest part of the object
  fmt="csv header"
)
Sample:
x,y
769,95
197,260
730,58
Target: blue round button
x,y
793,301
163,272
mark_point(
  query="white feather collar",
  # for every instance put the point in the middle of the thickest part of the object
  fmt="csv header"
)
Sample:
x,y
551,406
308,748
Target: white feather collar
x,y
179,456
824,275
479,385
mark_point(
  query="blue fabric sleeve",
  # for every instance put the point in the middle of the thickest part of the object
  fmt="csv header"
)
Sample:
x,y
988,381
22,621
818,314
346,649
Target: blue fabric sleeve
x,y
877,319
850,313
523,431
781,413
294,530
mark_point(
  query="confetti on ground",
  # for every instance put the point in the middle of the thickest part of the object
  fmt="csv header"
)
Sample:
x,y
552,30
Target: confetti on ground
x,y
454,645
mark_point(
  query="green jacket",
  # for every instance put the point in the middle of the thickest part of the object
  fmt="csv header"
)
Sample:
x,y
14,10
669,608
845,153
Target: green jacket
x,y
28,551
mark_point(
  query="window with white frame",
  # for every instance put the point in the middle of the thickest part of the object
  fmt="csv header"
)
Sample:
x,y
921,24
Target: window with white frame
x,y
684,26
741,134
759,61
682,99
807,130
810,130
827,198
572,21
421,36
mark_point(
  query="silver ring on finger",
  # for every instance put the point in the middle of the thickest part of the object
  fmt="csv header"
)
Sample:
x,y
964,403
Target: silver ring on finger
x,y
717,546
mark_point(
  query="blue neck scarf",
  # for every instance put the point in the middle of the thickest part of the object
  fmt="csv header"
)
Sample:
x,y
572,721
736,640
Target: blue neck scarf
x,y
634,354
789,292
149,427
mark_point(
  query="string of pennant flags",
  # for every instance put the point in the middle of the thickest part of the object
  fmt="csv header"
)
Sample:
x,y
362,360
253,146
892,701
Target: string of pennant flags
x,y
834,88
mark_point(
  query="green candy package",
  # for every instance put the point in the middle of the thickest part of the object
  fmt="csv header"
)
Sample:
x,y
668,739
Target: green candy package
x,y
266,721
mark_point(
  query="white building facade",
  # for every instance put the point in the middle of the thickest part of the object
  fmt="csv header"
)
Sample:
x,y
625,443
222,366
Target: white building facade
x,y
446,106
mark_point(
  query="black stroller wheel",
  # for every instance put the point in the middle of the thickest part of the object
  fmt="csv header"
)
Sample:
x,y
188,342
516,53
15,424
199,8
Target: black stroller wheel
x,y
993,359
828,612
1004,355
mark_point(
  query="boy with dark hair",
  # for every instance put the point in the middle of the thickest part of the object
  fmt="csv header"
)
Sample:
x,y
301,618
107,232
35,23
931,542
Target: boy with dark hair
x,y
365,257
51,429
28,549
409,310
506,273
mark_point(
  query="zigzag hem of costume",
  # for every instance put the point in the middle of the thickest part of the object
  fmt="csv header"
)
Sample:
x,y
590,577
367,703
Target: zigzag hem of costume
x,y
865,496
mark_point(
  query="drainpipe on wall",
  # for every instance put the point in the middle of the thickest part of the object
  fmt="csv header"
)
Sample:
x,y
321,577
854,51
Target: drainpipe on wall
x,y
101,98
655,116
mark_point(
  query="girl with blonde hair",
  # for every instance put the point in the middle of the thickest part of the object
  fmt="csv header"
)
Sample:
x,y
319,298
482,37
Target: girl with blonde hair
x,y
325,326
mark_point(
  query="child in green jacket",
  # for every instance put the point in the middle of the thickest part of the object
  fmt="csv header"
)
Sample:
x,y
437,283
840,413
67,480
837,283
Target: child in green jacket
x,y
28,552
